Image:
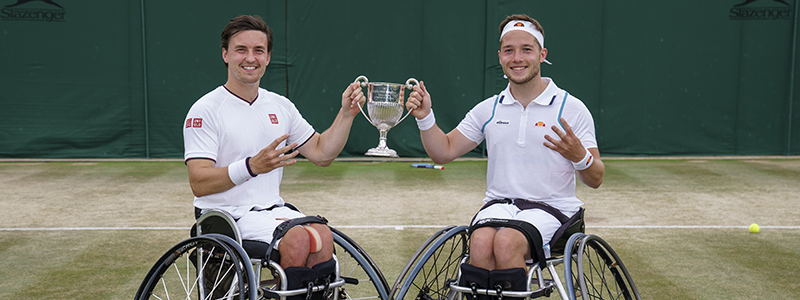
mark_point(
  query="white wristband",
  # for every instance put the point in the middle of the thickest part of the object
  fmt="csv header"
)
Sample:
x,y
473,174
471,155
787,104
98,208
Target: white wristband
x,y
239,171
585,163
427,122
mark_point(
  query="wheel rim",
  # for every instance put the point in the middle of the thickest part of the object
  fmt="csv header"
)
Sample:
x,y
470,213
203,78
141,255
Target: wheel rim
x,y
433,277
598,274
355,264
175,276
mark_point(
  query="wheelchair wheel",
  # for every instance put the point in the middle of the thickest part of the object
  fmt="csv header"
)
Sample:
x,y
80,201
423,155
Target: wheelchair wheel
x,y
202,267
596,271
362,277
434,266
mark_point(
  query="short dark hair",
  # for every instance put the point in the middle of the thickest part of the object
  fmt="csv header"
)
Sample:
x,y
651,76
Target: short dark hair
x,y
242,23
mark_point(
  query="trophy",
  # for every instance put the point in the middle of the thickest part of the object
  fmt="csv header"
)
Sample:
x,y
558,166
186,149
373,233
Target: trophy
x,y
385,106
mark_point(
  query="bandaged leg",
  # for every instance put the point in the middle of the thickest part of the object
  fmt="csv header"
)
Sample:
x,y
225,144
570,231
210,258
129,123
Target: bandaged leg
x,y
475,278
515,279
315,241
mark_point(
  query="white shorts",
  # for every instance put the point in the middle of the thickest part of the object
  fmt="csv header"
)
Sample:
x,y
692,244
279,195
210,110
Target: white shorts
x,y
546,223
259,225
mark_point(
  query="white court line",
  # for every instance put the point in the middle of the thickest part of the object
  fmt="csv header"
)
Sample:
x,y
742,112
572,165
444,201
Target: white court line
x,y
690,227
401,227
91,228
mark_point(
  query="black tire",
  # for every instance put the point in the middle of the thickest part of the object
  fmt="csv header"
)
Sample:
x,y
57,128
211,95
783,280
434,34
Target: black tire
x,y
434,266
596,271
225,274
363,278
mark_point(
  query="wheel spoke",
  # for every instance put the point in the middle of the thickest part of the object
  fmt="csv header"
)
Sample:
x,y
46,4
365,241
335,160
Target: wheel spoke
x,y
599,274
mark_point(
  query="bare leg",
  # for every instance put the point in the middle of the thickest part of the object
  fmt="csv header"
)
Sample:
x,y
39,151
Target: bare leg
x,y
481,248
510,249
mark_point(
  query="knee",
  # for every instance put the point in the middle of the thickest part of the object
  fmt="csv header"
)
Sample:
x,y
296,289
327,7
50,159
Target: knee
x,y
324,232
296,239
320,237
482,241
509,242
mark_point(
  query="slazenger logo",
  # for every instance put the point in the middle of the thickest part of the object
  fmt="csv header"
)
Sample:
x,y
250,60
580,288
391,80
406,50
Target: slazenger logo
x,y
776,9
484,221
13,12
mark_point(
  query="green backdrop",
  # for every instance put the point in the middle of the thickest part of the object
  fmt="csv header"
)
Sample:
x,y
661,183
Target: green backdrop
x,y
115,79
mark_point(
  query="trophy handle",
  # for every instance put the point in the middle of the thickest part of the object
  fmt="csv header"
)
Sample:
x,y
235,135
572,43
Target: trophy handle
x,y
408,86
408,82
363,81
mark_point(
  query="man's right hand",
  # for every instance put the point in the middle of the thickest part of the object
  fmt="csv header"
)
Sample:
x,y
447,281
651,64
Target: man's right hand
x,y
272,157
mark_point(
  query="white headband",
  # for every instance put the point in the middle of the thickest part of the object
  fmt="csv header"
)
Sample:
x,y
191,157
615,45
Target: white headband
x,y
527,27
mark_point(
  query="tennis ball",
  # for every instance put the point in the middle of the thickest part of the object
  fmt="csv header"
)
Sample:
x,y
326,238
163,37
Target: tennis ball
x,y
754,228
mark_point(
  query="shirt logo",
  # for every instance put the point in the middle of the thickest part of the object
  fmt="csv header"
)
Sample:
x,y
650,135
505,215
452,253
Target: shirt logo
x,y
539,124
188,123
197,122
502,122
273,118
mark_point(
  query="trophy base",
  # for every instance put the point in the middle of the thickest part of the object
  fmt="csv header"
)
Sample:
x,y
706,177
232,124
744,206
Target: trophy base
x,y
385,152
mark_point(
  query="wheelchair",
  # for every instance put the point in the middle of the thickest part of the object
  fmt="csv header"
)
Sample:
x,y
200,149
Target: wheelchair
x,y
591,269
217,264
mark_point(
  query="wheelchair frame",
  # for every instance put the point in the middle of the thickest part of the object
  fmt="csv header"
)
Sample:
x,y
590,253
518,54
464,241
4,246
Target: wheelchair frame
x,y
592,270
218,239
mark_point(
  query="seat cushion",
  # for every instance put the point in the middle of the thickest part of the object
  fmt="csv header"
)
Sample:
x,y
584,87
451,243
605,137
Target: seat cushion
x,y
257,249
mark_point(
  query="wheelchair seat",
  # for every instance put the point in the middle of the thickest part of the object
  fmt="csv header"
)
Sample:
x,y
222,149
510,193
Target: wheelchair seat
x,y
218,221
575,224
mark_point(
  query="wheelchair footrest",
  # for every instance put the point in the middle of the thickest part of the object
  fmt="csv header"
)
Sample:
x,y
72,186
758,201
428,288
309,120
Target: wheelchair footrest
x,y
349,280
318,288
544,291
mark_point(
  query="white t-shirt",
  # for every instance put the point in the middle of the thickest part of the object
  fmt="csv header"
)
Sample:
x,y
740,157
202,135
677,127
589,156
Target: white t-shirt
x,y
224,128
520,166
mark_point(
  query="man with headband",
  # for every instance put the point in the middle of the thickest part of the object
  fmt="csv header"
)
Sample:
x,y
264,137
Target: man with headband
x,y
538,136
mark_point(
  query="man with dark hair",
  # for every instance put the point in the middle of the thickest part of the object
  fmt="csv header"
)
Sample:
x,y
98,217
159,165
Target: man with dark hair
x,y
537,136
239,137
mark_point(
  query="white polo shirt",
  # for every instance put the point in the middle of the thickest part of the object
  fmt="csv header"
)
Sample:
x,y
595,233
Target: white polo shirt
x,y
519,165
224,128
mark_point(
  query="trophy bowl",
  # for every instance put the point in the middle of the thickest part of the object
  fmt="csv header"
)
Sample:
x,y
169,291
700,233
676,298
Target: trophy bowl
x,y
385,105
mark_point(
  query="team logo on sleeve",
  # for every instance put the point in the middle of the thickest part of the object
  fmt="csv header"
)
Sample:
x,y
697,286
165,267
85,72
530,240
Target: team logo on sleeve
x,y
194,122
273,118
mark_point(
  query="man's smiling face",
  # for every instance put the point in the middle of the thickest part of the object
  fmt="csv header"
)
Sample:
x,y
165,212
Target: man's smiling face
x,y
247,56
520,56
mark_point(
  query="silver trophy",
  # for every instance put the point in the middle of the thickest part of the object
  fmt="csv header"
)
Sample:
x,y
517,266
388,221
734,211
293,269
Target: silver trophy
x,y
385,106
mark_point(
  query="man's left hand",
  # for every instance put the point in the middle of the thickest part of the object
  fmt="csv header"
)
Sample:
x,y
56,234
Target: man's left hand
x,y
569,145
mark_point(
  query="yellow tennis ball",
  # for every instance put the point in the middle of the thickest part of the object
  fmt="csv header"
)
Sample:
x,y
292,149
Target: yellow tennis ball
x,y
754,228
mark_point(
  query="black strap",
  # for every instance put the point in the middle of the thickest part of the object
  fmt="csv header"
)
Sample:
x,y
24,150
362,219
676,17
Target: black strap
x,y
572,225
530,232
284,227
528,204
